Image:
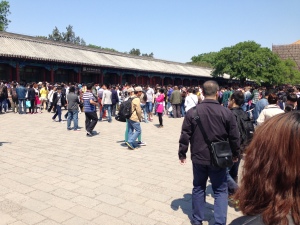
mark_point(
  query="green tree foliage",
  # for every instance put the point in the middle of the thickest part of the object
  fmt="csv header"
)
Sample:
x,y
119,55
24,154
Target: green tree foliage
x,y
4,12
290,71
204,59
138,53
248,60
99,47
68,36
135,52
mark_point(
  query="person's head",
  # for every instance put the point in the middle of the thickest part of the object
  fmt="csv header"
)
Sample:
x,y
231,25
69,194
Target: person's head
x,y
210,89
104,86
272,98
130,91
138,91
236,99
72,89
161,91
292,99
190,90
89,86
289,108
31,85
58,89
175,87
270,184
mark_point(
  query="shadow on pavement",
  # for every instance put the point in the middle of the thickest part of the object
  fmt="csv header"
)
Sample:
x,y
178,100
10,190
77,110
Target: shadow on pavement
x,y
1,143
185,204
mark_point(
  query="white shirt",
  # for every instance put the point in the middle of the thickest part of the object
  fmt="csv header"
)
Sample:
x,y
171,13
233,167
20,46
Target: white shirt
x,y
190,101
268,112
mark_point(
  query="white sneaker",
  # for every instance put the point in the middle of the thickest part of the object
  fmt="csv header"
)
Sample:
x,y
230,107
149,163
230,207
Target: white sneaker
x,y
141,143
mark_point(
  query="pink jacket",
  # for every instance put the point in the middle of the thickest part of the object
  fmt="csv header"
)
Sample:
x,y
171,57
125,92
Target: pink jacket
x,y
160,106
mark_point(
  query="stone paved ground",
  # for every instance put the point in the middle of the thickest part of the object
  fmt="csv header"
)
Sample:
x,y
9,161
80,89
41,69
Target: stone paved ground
x,y
52,176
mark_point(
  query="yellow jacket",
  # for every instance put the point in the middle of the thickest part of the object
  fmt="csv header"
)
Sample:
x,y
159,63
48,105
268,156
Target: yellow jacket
x,y
136,109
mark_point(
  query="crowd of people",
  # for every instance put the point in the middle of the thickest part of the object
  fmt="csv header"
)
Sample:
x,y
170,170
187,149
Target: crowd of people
x,y
252,119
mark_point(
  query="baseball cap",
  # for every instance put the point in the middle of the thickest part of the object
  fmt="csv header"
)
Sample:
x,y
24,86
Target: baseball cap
x,y
138,88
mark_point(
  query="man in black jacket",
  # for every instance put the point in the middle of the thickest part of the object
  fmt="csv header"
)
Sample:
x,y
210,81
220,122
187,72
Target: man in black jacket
x,y
220,125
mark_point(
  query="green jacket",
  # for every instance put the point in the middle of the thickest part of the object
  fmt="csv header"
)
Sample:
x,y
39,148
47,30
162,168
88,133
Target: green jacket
x,y
176,97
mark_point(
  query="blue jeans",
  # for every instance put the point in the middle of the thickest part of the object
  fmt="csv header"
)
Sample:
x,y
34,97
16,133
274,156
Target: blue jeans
x,y
149,107
182,109
57,113
3,104
132,136
232,185
22,102
218,180
143,106
72,115
108,108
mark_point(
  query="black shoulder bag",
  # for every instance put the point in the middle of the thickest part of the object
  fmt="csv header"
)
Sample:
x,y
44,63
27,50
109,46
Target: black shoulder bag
x,y
220,152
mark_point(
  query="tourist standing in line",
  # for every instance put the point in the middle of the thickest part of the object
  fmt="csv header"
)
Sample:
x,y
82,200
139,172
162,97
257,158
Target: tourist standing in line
x,y
191,100
220,125
106,103
73,102
31,98
114,100
150,102
90,104
21,92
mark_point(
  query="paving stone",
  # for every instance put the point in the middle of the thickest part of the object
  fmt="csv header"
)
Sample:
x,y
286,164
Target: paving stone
x,y
78,221
166,218
110,199
56,214
110,210
136,219
105,219
83,212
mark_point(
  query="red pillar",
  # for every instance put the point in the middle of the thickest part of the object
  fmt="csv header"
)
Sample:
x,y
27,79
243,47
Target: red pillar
x,y
162,81
101,78
10,74
52,76
79,77
121,78
44,74
18,72
136,80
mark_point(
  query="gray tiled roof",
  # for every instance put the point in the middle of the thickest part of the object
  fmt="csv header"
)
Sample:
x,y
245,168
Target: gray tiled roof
x,y
20,46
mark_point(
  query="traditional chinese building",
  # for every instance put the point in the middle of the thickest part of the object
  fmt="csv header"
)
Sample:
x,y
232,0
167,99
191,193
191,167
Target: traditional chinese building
x,y
34,59
291,51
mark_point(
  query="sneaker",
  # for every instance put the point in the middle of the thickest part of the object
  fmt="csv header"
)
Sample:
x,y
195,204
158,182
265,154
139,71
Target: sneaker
x,y
62,122
77,129
160,126
129,145
69,128
53,120
88,134
141,143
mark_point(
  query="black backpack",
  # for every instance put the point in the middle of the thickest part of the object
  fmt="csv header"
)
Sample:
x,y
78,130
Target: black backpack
x,y
144,97
125,110
246,127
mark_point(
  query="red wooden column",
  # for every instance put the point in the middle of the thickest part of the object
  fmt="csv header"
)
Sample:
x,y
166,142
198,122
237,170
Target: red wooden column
x,y
44,74
10,74
101,78
121,78
52,75
137,80
79,77
18,72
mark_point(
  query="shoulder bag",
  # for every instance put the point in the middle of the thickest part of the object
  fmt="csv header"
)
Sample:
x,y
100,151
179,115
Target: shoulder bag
x,y
221,154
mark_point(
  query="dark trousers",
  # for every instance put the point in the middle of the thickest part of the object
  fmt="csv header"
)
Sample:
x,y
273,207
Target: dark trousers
x,y
218,180
176,110
113,109
31,108
91,120
160,119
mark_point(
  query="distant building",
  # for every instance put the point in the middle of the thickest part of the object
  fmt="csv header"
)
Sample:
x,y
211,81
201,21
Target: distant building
x,y
33,59
291,51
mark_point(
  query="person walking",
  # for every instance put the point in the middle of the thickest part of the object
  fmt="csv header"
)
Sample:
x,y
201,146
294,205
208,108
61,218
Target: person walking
x,y
21,93
57,103
31,98
160,107
134,126
175,100
220,125
73,102
90,103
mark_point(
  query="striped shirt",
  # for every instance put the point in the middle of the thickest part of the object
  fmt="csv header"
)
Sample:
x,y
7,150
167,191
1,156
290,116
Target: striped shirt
x,y
88,107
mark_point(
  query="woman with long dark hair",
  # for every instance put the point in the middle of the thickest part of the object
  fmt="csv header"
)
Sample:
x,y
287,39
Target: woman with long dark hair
x,y
269,193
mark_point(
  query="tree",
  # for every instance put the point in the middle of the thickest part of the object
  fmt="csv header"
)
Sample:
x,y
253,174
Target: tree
x,y
56,35
148,55
4,12
204,59
248,60
99,47
290,72
135,52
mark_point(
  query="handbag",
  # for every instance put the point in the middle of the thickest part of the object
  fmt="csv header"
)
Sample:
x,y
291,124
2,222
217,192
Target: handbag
x,y
221,154
170,109
28,104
